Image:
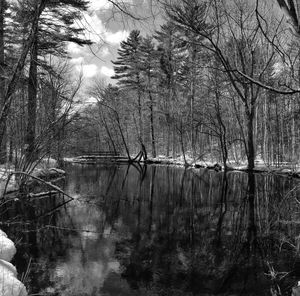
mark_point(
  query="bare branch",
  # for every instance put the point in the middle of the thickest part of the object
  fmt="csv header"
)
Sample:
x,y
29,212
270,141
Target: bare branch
x,y
270,88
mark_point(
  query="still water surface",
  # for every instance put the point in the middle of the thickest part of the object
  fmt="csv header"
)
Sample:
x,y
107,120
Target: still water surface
x,y
159,231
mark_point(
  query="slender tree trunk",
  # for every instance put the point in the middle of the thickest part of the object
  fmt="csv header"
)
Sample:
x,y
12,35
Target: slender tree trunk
x,y
141,132
174,142
152,125
293,132
250,140
2,74
108,133
32,103
11,150
181,132
192,96
169,131
265,133
122,136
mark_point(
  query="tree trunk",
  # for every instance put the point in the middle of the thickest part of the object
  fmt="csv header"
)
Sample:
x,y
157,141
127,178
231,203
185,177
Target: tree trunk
x,y
2,74
192,96
169,131
31,154
141,132
251,148
11,85
152,125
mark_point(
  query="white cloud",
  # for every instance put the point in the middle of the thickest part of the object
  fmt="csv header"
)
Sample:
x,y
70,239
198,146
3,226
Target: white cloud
x,y
99,4
95,29
107,71
87,70
115,38
105,52
74,48
95,5
77,61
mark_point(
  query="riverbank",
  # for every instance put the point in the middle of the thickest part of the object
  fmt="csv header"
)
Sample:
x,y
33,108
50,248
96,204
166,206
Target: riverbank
x,y
288,169
45,170
285,169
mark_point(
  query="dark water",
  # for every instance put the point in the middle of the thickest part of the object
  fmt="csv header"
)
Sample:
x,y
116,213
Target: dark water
x,y
159,231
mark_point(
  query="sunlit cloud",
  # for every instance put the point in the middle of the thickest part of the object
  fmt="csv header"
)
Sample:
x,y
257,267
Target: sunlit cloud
x,y
96,5
99,4
117,37
87,71
107,71
74,48
105,52
77,61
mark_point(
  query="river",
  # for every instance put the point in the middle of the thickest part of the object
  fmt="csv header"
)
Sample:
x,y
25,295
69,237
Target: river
x,y
158,230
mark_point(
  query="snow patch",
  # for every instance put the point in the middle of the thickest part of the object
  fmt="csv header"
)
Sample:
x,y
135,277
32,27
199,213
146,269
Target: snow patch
x,y
7,248
7,269
2,233
9,284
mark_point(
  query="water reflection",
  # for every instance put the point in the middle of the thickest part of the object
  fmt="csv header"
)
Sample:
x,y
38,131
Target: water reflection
x,y
161,231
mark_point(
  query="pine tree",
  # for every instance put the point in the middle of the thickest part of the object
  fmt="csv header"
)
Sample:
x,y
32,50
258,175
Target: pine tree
x,y
149,65
127,69
55,28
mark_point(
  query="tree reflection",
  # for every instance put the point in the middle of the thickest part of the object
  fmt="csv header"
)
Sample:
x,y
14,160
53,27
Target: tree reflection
x,y
171,231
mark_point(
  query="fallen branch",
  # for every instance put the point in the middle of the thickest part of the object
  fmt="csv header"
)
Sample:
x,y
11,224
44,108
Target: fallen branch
x,y
56,188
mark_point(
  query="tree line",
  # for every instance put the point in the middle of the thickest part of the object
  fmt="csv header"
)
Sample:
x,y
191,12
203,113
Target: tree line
x,y
219,80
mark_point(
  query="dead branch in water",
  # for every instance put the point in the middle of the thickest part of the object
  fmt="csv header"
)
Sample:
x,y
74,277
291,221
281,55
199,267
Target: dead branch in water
x,y
54,187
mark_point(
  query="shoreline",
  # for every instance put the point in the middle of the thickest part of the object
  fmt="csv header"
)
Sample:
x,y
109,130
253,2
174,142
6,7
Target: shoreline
x,y
287,170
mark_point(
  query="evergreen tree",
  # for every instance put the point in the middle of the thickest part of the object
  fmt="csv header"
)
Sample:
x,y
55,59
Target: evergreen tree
x,y
149,65
127,69
55,28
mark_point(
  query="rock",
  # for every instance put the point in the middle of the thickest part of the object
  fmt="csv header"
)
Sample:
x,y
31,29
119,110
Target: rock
x,y
7,248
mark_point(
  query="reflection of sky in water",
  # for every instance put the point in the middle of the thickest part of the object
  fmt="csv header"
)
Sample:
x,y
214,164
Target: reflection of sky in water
x,y
90,259
77,276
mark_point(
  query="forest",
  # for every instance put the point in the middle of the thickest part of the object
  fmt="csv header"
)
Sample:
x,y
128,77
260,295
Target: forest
x,y
215,81
203,84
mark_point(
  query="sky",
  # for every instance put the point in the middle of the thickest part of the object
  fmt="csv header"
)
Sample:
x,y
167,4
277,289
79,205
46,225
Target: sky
x,y
106,27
